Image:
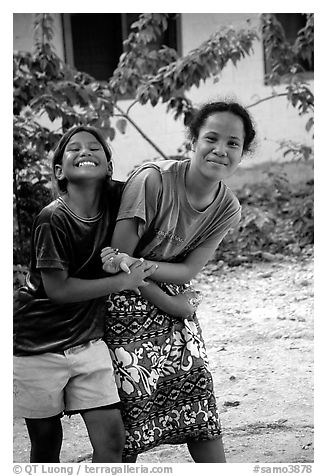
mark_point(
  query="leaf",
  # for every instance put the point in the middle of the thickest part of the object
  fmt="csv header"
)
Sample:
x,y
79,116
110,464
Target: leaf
x,y
121,125
309,124
108,132
111,133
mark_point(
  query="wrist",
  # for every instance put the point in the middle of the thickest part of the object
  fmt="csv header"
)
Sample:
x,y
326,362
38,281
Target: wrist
x,y
169,304
117,283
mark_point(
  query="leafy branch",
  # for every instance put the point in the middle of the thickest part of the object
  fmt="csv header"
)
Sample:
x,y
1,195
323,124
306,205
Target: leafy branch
x,y
285,60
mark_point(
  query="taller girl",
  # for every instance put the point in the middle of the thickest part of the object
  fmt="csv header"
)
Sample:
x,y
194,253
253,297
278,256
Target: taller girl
x,y
175,213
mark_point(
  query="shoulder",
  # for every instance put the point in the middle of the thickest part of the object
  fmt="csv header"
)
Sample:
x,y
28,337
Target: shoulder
x,y
55,217
115,186
230,196
231,205
112,197
50,212
154,172
148,174
170,166
114,190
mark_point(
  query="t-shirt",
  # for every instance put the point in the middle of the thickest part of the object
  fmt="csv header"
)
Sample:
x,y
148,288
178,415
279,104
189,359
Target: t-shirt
x,y
168,226
64,241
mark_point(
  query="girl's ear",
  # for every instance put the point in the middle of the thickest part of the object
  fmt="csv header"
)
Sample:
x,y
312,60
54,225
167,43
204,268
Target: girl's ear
x,y
110,169
59,172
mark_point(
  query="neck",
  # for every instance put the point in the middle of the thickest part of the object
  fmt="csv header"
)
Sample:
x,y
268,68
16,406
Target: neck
x,y
200,191
84,201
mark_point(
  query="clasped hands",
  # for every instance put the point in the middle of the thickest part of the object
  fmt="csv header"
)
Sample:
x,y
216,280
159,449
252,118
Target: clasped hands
x,y
113,261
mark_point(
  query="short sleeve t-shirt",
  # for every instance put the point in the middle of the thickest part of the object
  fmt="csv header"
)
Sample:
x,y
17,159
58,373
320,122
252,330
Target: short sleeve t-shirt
x,y
64,241
168,226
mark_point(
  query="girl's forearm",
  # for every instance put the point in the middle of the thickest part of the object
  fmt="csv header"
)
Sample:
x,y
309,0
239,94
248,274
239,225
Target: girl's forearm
x,y
158,297
125,237
64,289
168,304
78,290
177,273
184,272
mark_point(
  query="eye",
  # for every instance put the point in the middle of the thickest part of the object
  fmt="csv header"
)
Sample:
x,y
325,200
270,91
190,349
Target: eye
x,y
234,144
210,139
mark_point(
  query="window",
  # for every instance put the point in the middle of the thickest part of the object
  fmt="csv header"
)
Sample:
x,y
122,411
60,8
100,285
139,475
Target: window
x,y
94,41
292,23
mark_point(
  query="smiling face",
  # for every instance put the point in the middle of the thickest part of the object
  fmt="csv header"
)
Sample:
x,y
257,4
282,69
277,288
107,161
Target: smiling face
x,y
83,159
219,146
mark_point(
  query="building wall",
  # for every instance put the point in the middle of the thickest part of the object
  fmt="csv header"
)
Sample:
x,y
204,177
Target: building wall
x,y
276,120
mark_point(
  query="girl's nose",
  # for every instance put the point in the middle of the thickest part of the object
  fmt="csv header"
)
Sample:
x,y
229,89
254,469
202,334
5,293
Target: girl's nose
x,y
85,151
220,150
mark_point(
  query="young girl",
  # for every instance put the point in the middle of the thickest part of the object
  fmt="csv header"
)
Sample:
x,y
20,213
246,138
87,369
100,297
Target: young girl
x,y
174,213
61,363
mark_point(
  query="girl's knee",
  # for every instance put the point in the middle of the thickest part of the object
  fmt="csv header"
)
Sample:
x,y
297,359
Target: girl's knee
x,y
115,435
109,443
106,429
44,429
46,439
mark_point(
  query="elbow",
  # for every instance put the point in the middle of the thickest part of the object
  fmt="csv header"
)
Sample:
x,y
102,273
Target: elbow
x,y
186,278
182,281
56,296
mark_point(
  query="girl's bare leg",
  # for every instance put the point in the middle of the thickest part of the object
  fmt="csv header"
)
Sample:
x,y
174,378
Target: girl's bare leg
x,y
207,451
130,459
46,439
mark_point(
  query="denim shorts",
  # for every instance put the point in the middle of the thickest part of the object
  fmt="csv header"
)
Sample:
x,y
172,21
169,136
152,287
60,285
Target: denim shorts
x,y
76,379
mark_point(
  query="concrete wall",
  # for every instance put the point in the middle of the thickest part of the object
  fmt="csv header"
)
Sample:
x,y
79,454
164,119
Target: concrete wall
x,y
276,120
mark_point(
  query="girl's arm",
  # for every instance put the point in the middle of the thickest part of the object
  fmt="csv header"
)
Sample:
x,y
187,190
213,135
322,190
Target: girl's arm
x,y
62,288
182,305
125,238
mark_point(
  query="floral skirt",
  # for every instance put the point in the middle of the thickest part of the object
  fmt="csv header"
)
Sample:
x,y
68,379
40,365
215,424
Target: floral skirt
x,y
162,375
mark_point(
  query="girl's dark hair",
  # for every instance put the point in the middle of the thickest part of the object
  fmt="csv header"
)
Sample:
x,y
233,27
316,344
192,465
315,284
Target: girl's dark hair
x,y
61,185
223,106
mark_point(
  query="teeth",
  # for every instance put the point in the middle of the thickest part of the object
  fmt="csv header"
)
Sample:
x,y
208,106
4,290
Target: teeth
x,y
86,163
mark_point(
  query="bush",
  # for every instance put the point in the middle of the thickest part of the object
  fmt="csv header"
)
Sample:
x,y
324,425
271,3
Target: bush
x,y
19,272
277,218
33,197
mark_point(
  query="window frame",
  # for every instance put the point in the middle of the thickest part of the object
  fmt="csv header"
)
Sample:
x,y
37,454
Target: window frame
x,y
304,75
68,38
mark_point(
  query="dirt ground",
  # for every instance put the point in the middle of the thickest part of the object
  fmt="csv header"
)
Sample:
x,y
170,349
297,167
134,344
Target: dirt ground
x,y
257,322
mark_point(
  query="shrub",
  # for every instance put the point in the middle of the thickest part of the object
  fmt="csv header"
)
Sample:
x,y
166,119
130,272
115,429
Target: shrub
x,y
277,217
33,197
